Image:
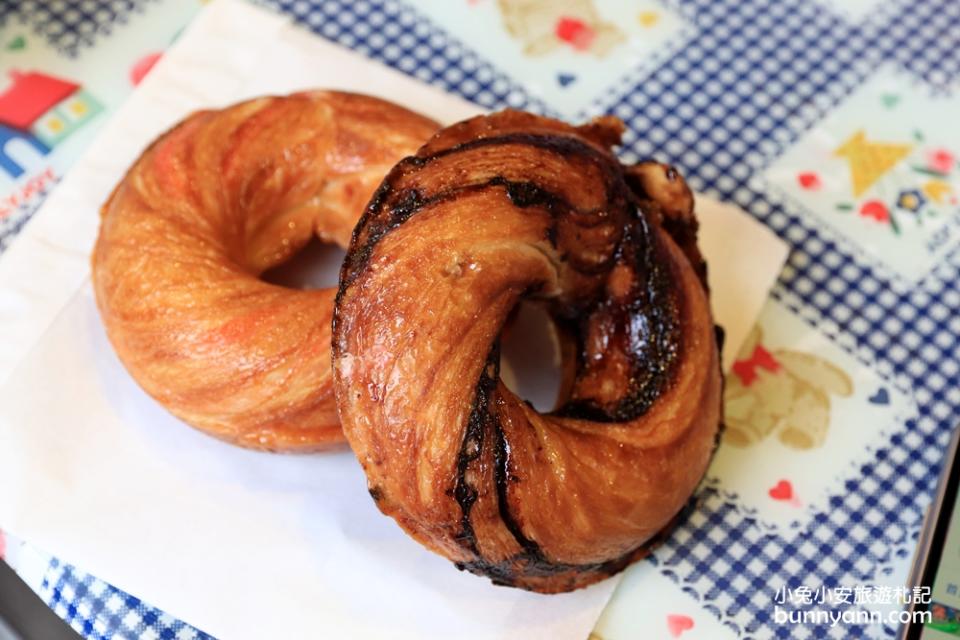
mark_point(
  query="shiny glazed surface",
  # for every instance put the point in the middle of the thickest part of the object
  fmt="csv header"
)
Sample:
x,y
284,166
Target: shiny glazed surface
x,y
491,211
212,204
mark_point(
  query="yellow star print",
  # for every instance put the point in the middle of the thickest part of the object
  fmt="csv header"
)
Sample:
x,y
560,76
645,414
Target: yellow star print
x,y
869,160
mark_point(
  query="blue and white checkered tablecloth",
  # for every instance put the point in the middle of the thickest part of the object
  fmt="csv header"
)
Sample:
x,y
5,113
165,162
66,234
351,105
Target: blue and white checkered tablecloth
x,y
735,93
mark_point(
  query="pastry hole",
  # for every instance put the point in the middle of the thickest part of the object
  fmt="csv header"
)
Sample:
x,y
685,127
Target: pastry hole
x,y
530,357
316,266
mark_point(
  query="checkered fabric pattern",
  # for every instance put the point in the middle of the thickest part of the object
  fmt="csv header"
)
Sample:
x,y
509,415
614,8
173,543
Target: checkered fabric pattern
x,y
753,77
70,25
98,611
12,225
396,35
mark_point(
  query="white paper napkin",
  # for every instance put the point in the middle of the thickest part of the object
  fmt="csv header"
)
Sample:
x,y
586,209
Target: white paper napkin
x,y
242,544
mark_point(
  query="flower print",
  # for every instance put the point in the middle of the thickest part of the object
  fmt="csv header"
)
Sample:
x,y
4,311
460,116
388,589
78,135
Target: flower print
x,y
809,180
937,190
911,200
875,210
575,32
941,160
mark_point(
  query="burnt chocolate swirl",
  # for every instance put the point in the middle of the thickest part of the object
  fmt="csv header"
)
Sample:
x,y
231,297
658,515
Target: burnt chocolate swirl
x,y
492,211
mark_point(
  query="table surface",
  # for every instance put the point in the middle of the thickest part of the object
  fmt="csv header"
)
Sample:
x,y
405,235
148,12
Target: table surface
x,y
832,123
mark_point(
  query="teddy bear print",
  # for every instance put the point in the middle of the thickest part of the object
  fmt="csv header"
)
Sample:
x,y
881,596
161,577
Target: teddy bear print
x,y
544,25
780,391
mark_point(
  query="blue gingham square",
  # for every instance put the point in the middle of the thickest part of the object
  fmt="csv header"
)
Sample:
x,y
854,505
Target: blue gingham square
x,y
99,611
71,25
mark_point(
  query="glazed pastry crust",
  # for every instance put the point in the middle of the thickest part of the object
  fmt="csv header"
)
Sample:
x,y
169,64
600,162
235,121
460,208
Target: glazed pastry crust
x,y
491,211
211,205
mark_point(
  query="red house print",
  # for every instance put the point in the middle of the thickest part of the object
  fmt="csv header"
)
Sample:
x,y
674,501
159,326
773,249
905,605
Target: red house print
x,y
37,112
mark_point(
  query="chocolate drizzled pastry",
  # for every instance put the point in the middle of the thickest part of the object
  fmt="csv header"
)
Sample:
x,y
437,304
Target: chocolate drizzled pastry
x,y
492,211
